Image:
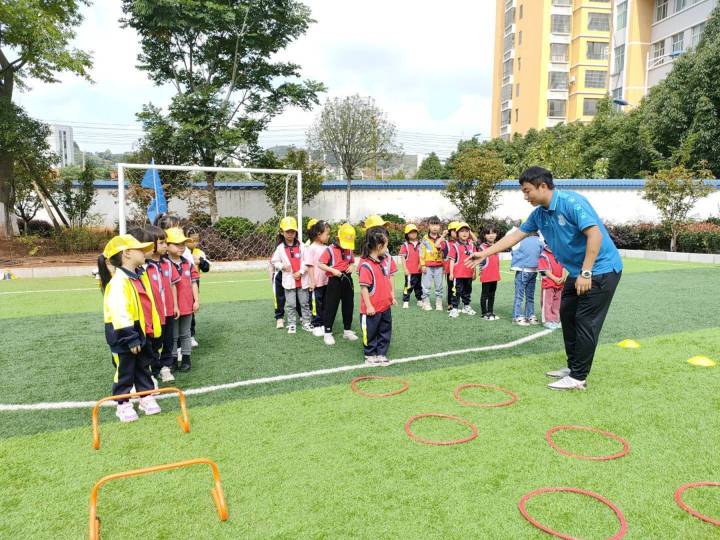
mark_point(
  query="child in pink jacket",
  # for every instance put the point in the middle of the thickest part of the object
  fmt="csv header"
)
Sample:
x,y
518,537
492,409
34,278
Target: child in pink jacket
x,y
289,257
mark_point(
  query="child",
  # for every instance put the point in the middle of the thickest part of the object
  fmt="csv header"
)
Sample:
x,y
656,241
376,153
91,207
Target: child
x,y
337,262
288,258
131,321
461,275
431,263
377,296
163,276
410,256
489,276
201,261
319,235
311,222
524,263
446,245
552,286
188,294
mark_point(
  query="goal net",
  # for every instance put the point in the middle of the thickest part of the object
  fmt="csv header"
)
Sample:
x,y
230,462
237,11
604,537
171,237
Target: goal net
x,y
236,218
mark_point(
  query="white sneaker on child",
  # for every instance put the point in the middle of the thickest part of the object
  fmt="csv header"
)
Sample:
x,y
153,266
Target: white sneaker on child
x,y
126,412
149,406
467,310
426,305
371,361
279,324
383,360
532,320
438,304
406,305
318,331
308,327
292,329
520,321
350,335
193,342
166,375
454,313
329,339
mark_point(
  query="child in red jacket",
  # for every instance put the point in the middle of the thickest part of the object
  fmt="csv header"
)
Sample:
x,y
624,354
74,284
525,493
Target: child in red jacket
x,y
553,281
489,276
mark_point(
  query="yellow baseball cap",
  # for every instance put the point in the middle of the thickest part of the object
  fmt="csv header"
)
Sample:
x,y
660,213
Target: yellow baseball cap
x,y
346,234
375,221
410,227
311,222
288,223
123,242
463,225
452,226
175,235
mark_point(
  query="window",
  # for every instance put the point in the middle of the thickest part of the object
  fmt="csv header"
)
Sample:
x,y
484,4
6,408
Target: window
x,y
595,78
599,22
520,37
558,80
597,50
517,90
517,115
559,52
508,42
556,108
658,53
507,68
680,4
506,92
590,106
521,11
562,2
617,95
661,10
621,21
560,24
505,117
509,17
619,59
677,43
697,32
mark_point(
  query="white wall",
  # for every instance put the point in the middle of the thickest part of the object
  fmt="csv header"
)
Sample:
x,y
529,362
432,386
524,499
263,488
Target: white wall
x,y
613,205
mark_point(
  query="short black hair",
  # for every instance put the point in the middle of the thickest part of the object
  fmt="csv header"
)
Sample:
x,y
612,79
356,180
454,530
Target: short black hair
x,y
536,176
434,220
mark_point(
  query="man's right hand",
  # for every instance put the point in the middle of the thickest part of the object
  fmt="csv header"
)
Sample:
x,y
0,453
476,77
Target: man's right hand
x,y
476,259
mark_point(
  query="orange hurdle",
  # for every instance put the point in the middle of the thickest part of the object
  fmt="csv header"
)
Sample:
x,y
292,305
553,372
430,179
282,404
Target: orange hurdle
x,y
216,492
183,419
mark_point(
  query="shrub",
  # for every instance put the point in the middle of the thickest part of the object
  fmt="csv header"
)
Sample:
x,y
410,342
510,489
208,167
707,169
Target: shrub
x,y
235,227
40,227
699,238
80,240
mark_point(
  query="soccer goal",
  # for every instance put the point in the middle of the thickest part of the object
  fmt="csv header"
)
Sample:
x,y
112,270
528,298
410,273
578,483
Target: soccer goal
x,y
242,221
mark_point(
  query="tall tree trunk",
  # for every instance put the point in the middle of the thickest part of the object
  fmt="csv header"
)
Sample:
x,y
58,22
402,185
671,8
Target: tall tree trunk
x,y
8,223
673,240
347,200
212,196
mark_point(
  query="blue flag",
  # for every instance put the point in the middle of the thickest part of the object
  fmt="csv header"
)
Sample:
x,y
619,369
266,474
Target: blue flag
x,y
158,205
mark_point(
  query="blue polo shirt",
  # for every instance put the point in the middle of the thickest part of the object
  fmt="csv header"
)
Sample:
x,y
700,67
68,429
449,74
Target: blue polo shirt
x,y
562,225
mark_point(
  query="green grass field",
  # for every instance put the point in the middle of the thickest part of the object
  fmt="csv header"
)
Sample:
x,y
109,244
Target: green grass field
x,y
308,458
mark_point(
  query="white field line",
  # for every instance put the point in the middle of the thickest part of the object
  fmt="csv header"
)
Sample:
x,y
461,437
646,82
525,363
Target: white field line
x,y
277,378
96,288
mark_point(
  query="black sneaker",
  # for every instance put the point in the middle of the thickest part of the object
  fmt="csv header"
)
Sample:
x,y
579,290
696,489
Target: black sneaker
x,y
185,364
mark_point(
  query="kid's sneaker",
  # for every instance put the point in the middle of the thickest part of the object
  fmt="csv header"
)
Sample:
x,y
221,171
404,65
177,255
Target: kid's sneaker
x,y
520,321
149,406
308,328
166,375
406,305
126,412
329,339
292,329
568,383
280,324
372,361
532,320
383,360
426,305
350,335
193,342
467,310
438,304
454,313
318,331
494,317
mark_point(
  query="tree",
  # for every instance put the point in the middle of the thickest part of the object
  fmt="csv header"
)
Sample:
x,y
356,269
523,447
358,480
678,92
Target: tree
x,y
430,168
76,202
476,173
219,55
35,38
356,133
674,192
312,179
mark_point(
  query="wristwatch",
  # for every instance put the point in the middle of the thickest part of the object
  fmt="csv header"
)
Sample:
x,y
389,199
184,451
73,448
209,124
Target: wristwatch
x,y
587,274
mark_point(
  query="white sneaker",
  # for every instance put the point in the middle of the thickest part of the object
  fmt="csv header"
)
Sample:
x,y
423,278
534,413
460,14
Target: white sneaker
x,y
533,320
454,313
494,317
421,304
193,342
155,382
558,373
438,305
350,335
126,412
280,324
520,321
467,310
383,360
568,383
166,375
318,331
426,305
308,328
372,361
329,339
292,329
149,406
406,305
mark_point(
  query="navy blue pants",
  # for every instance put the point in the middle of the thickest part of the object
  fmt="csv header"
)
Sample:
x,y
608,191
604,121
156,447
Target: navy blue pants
x,y
377,331
413,282
463,291
317,305
132,370
168,354
450,291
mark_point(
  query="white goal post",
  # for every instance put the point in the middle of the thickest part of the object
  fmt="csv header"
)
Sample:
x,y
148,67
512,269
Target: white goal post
x,y
121,167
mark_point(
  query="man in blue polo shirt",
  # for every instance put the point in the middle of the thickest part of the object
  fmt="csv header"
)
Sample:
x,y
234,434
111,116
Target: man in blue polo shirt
x,y
581,243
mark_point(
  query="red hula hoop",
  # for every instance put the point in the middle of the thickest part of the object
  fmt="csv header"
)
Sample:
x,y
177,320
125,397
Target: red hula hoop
x,y
606,502
459,389
688,509
623,452
462,421
356,380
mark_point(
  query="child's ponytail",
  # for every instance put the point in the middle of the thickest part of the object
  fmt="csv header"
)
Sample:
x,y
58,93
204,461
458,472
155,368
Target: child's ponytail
x,y
104,272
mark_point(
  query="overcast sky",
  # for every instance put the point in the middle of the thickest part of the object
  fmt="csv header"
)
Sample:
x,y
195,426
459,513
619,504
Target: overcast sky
x,y
428,65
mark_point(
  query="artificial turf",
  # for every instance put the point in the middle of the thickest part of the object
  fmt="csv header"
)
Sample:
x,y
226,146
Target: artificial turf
x,y
309,458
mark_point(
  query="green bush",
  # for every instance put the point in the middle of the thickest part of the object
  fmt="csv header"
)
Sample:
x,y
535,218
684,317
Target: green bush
x,y
80,240
235,227
700,238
